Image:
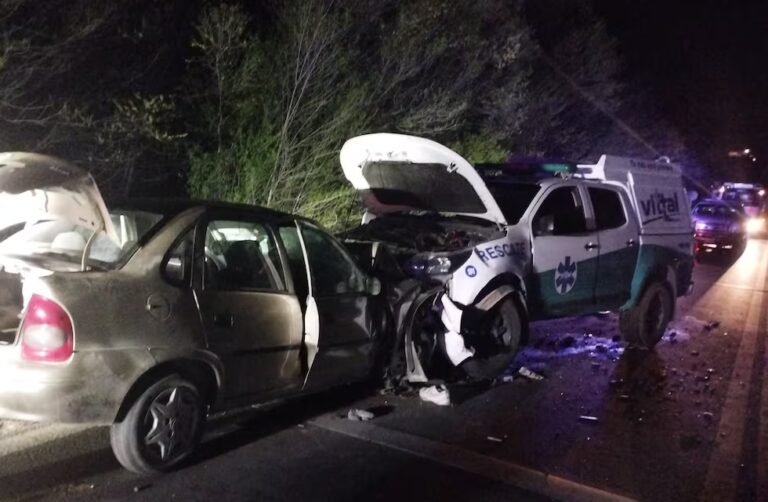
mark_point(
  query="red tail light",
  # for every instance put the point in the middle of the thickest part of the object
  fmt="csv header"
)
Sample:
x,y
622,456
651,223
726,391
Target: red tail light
x,y
46,332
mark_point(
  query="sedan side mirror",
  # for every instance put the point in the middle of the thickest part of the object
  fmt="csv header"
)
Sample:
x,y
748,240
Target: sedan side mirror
x,y
373,286
174,270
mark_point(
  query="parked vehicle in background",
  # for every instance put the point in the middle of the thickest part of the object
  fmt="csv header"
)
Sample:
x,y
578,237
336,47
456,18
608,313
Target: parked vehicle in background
x,y
494,247
151,314
750,199
719,226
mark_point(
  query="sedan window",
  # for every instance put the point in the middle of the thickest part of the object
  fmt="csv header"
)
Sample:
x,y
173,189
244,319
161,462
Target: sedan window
x,y
241,256
333,270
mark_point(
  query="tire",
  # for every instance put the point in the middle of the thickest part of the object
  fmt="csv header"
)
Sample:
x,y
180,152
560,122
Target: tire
x,y
162,427
644,325
497,344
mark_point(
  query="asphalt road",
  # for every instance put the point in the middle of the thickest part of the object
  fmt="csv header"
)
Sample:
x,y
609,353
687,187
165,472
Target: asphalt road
x,y
687,421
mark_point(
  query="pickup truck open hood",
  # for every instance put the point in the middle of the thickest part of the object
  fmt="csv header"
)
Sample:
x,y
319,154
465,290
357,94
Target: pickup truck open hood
x,y
394,172
37,187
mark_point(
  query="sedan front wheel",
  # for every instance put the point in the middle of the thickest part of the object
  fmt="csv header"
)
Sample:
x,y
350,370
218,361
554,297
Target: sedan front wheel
x,y
162,427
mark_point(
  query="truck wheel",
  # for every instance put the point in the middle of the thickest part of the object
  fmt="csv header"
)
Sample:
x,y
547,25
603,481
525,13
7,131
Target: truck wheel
x,y
644,324
162,427
497,344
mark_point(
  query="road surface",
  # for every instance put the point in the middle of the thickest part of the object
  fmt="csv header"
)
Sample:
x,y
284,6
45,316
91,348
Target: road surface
x,y
687,421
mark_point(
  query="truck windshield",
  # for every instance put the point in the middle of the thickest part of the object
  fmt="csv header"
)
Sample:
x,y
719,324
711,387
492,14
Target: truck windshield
x,y
513,198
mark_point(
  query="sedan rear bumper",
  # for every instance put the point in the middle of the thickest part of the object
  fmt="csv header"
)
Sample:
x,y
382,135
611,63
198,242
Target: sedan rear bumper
x,y
87,389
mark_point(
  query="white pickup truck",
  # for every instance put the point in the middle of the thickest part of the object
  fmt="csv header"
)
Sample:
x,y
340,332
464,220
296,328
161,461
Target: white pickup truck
x,y
493,247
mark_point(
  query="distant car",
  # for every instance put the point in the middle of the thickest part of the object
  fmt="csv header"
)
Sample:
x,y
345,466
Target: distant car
x,y
718,225
151,314
749,198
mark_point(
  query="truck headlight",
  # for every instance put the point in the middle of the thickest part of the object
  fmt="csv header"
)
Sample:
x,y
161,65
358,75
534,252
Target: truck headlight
x,y
427,264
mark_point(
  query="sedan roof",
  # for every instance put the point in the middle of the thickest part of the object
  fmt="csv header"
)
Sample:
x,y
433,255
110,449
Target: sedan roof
x,y
172,206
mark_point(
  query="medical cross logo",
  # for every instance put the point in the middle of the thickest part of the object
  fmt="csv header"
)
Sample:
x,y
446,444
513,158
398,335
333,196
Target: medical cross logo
x,y
565,276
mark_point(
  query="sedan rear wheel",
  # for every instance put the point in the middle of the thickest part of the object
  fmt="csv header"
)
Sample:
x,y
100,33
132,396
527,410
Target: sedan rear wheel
x,y
162,427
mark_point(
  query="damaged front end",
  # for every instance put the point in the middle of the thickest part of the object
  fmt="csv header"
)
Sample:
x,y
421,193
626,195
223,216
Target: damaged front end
x,y
428,212
415,255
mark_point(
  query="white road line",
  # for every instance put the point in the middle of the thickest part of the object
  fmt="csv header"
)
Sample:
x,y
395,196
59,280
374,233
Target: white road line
x,y
723,470
468,461
762,445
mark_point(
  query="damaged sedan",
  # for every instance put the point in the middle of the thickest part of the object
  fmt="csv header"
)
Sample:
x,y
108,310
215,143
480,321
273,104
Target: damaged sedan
x,y
150,315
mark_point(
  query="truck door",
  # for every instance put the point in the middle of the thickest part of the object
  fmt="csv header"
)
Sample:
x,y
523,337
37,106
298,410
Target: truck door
x,y
565,252
618,238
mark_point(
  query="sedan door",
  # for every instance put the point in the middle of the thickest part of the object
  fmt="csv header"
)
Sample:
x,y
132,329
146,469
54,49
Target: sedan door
x,y
252,321
565,251
341,319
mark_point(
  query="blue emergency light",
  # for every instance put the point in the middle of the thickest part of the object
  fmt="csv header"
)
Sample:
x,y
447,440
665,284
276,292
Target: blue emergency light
x,y
527,167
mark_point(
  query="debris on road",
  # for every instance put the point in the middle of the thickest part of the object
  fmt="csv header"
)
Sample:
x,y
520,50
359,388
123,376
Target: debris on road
x,y
505,379
525,372
494,439
359,415
708,416
138,488
711,325
588,418
436,394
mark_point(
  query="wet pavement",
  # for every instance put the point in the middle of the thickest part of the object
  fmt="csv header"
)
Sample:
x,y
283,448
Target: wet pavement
x,y
687,421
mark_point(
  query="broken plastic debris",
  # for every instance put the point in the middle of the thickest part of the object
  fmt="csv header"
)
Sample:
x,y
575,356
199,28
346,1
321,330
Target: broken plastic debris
x,y
494,439
525,372
436,394
359,415
588,418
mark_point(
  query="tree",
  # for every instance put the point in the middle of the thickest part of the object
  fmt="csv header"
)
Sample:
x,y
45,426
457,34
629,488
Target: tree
x,y
280,116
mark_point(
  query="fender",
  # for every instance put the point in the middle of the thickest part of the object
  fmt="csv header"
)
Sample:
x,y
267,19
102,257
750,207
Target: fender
x,y
660,272
499,288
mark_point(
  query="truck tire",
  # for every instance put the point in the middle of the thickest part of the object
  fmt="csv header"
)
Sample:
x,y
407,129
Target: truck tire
x,y
494,355
162,427
644,325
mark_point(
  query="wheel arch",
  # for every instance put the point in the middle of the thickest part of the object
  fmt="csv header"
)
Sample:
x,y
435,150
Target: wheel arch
x,y
657,272
198,372
500,287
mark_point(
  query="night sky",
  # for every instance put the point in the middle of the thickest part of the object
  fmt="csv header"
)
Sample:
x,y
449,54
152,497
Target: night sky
x,y
706,64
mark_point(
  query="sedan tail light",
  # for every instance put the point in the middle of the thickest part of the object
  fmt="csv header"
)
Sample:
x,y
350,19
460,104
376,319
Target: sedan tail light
x,y
46,331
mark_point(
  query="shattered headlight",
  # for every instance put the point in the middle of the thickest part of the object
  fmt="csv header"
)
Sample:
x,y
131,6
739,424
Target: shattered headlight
x,y
428,264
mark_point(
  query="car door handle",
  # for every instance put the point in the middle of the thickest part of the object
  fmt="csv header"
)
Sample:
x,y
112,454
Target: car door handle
x,y
223,320
631,242
591,245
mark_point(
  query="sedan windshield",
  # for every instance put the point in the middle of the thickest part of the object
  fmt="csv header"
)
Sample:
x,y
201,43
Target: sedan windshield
x,y
65,241
716,210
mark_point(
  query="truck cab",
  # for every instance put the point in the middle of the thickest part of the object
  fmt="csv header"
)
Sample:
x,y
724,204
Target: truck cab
x,y
549,239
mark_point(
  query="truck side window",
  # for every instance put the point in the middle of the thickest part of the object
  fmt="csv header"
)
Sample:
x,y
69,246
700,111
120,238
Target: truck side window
x,y
609,211
561,213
